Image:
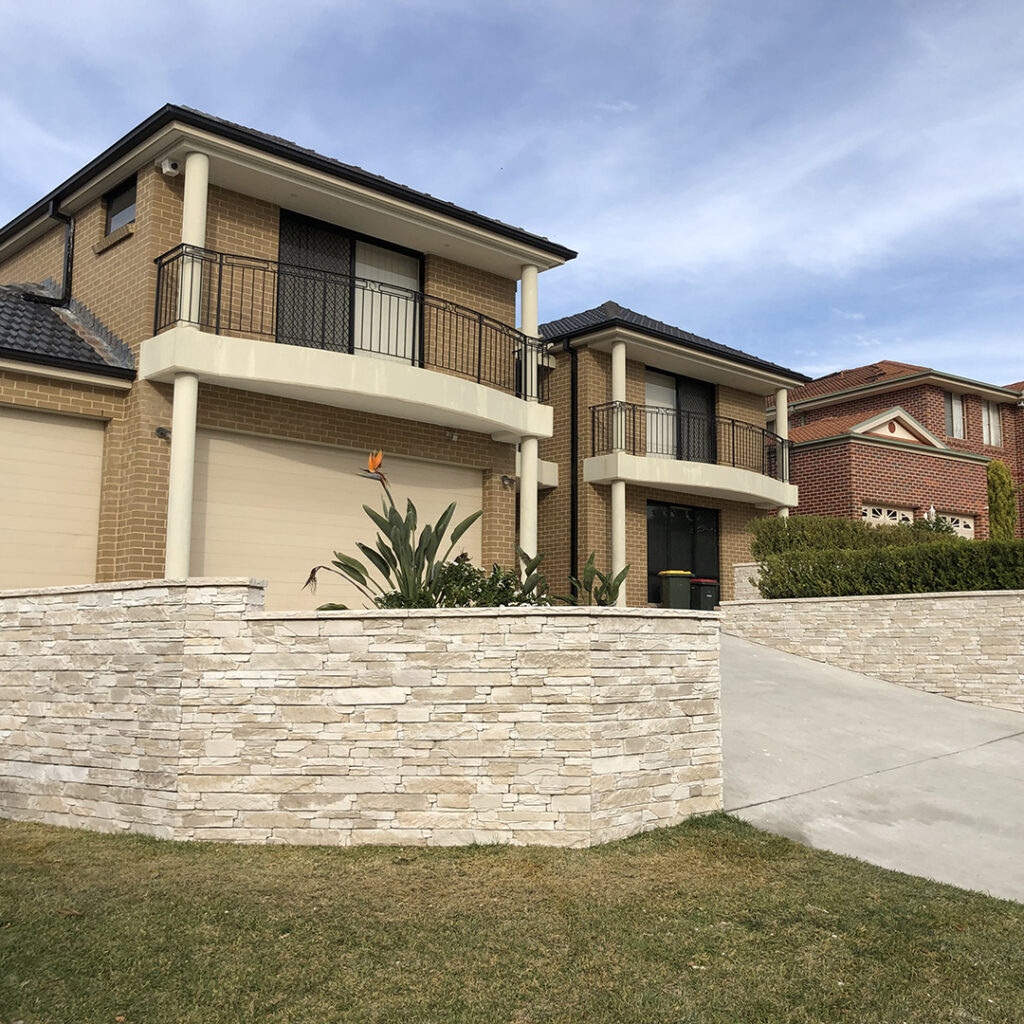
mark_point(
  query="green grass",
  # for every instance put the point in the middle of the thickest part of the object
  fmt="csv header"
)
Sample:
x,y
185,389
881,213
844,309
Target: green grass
x,y
709,922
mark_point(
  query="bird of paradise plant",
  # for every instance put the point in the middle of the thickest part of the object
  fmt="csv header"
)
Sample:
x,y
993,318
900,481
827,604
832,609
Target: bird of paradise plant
x,y
407,563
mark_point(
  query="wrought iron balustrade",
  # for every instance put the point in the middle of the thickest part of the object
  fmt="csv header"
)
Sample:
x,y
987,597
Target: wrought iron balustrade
x,y
670,434
255,298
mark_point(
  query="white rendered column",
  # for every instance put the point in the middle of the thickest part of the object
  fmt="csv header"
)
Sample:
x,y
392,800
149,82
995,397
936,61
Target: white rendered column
x,y
528,314
528,495
619,534
182,473
782,429
619,486
193,232
528,324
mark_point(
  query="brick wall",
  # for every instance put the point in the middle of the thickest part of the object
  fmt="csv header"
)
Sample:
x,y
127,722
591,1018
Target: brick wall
x,y
184,711
838,479
822,485
969,646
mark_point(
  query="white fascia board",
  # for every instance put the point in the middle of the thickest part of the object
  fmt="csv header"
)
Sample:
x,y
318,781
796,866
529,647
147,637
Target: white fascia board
x,y
382,386
96,380
320,194
726,482
678,357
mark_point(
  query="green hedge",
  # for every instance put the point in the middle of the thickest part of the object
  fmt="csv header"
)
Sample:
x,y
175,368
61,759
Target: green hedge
x,y
825,533
920,569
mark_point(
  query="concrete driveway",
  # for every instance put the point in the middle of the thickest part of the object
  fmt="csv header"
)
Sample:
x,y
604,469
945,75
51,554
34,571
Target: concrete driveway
x,y
847,763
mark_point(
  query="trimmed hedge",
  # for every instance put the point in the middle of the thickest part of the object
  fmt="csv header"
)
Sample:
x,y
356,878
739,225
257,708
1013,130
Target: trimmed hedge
x,y
826,533
925,568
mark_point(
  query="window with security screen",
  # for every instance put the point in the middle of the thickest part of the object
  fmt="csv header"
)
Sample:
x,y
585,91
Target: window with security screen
x,y
963,526
879,515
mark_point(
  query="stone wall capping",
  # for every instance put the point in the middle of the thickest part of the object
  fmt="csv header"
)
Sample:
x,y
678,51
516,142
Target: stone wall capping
x,y
1019,594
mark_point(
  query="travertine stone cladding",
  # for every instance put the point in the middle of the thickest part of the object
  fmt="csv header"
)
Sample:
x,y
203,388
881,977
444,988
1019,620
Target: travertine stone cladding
x,y
969,646
183,710
743,586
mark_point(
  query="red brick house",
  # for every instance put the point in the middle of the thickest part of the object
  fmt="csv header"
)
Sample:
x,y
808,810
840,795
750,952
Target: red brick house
x,y
890,441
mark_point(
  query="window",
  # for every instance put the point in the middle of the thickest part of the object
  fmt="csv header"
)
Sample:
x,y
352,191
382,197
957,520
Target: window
x,y
121,206
954,415
345,294
991,425
679,418
963,526
878,515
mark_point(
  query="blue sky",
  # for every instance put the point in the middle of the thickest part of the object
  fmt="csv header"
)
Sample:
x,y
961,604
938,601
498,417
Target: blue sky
x,y
822,184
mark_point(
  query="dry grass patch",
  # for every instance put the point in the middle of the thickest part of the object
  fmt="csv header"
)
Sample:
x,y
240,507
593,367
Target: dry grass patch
x,y
709,922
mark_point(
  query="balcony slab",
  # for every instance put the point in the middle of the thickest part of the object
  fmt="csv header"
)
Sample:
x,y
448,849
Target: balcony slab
x,y
347,381
714,481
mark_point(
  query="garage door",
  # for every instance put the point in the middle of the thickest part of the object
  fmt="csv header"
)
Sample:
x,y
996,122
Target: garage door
x,y
272,509
50,468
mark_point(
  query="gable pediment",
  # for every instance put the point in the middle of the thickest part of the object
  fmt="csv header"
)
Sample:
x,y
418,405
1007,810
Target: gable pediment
x,y
897,424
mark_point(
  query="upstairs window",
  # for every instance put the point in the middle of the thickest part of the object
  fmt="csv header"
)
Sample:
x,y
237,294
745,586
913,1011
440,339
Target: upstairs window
x,y
954,415
121,206
991,425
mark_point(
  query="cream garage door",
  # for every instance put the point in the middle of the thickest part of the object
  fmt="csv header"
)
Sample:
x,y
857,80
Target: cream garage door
x,y
273,509
50,470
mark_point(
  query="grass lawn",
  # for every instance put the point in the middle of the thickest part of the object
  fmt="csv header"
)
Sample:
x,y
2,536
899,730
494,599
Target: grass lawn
x,y
711,921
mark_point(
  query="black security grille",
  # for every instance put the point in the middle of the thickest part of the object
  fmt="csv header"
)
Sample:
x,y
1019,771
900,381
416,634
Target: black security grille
x,y
316,308
668,433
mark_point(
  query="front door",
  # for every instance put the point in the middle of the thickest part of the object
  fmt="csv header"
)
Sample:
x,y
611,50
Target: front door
x,y
680,537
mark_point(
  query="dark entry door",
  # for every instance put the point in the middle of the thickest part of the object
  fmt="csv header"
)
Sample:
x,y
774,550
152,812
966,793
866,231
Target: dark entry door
x,y
314,284
696,399
680,537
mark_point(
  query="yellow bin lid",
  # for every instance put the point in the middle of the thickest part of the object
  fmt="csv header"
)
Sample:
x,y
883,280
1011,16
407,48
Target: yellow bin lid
x,y
674,572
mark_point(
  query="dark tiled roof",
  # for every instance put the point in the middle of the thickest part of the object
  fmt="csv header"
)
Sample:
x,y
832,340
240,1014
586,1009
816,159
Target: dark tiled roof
x,y
289,150
611,314
38,332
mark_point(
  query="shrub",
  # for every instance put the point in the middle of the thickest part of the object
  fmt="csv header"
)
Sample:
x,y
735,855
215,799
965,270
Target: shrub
x,y
918,569
1002,502
460,584
802,533
406,560
584,592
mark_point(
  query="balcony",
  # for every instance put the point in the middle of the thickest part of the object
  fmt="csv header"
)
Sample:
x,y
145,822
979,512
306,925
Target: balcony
x,y
345,341
688,452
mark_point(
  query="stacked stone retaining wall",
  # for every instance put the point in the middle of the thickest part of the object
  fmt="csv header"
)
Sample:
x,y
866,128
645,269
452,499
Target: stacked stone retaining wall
x,y
966,645
183,710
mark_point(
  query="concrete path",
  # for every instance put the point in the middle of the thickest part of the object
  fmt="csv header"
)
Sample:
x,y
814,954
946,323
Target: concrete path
x,y
847,763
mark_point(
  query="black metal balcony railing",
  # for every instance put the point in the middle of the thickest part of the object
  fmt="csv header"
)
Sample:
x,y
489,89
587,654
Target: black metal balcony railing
x,y
249,297
668,434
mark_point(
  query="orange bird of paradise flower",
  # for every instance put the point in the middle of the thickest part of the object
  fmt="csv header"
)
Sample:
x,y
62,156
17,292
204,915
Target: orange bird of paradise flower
x,y
373,470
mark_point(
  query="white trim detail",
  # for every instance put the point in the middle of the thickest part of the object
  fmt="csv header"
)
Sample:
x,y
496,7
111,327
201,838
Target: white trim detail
x,y
699,478
345,381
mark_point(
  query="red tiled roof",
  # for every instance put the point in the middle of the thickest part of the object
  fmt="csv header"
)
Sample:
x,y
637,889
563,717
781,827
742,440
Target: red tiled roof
x,y
1019,386
830,427
858,377
834,426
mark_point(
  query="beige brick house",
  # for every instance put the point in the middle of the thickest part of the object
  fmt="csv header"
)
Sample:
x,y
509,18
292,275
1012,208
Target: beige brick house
x,y
205,330
268,315
661,450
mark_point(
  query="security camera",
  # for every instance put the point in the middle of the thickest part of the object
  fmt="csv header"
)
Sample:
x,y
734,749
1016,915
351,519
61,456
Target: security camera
x,y
169,167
